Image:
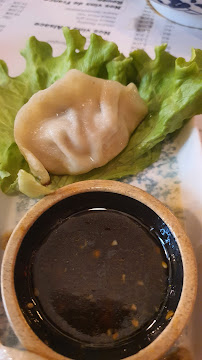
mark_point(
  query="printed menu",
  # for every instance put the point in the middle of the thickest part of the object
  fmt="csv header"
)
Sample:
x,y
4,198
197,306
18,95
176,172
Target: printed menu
x,y
131,24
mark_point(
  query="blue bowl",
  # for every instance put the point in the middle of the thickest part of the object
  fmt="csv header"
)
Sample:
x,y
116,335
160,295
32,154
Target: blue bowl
x,y
184,12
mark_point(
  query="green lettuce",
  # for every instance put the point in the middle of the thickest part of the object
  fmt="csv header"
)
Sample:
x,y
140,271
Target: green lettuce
x,y
172,89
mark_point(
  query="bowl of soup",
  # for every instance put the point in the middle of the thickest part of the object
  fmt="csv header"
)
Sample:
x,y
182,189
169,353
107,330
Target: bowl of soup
x,y
99,270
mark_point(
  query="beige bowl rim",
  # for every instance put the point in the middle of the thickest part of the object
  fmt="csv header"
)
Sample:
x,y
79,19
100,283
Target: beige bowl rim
x,y
168,336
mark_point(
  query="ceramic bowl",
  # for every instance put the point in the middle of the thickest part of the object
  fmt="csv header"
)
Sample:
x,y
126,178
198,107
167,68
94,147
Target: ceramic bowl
x,y
184,12
30,261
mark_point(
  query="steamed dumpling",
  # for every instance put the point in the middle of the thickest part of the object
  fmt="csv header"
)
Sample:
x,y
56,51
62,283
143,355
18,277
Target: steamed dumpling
x,y
79,123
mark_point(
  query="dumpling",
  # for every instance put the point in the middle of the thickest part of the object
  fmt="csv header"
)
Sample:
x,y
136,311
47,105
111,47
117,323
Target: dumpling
x,y
79,123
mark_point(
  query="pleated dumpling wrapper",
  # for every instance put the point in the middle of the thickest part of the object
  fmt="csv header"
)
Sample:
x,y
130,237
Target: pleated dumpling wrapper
x,y
77,124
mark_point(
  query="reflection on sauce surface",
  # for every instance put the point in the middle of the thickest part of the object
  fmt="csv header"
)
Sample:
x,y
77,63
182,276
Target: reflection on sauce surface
x,y
98,276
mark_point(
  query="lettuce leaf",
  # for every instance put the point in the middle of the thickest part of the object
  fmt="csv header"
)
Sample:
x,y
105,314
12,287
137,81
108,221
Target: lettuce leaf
x,y
171,87
30,186
12,162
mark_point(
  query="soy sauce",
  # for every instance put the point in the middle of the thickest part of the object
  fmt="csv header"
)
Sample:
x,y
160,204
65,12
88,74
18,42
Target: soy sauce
x,y
99,276
96,276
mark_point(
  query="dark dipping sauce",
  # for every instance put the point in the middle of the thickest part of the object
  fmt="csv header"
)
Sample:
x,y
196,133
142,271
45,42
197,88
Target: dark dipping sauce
x,y
99,278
